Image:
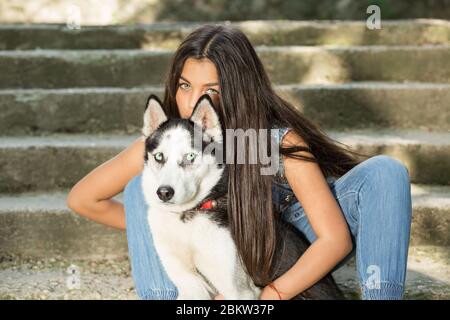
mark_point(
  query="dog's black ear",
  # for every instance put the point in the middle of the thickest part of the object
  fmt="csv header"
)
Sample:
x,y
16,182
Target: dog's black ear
x,y
153,115
206,117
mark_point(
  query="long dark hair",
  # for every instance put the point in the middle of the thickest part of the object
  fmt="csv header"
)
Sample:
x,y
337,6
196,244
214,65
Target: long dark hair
x,y
247,100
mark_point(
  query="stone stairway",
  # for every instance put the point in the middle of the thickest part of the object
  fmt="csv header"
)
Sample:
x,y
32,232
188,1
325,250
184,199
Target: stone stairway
x,y
72,99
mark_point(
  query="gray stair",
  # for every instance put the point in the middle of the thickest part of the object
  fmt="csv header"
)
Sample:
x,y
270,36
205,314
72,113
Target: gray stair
x,y
169,35
39,224
284,64
46,278
345,106
60,160
25,278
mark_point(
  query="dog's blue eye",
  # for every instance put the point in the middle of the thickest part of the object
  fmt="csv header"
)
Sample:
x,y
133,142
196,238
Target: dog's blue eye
x,y
158,156
191,156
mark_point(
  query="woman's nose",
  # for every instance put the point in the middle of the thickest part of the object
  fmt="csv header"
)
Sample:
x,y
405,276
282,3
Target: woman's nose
x,y
195,95
193,101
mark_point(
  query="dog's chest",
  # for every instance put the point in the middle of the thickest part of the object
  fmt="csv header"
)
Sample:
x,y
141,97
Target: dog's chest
x,y
184,229
216,216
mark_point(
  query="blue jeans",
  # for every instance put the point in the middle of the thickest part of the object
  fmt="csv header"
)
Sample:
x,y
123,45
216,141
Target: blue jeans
x,y
375,199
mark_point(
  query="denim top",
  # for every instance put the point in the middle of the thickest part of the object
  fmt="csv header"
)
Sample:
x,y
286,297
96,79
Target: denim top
x,y
282,193
279,176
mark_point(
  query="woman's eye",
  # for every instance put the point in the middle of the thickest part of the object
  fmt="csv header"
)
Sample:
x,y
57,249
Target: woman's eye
x,y
191,157
214,91
158,156
182,84
185,86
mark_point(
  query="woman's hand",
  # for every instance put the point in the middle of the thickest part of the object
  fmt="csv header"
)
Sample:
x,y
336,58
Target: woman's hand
x,y
219,297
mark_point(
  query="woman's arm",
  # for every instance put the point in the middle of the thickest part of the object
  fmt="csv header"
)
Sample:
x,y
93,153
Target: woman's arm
x,y
91,196
333,241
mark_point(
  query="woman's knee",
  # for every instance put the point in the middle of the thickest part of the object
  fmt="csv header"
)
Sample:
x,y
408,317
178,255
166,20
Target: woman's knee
x,y
388,180
387,171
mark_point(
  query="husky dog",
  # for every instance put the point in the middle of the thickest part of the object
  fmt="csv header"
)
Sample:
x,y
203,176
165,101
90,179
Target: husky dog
x,y
186,190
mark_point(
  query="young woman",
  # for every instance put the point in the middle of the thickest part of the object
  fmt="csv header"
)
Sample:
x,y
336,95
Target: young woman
x,y
344,206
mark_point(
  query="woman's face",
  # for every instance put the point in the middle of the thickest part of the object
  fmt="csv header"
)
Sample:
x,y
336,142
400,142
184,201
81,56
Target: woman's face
x,y
198,77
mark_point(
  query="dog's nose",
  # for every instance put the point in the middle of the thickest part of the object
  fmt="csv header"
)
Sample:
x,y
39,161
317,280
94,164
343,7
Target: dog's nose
x,y
165,193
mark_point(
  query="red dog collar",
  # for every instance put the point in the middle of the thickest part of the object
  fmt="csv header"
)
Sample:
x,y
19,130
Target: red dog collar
x,y
208,204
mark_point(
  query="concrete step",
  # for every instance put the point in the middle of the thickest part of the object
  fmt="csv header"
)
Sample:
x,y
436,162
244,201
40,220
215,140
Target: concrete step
x,y
54,162
428,277
418,150
59,161
357,105
284,64
169,35
50,278
39,224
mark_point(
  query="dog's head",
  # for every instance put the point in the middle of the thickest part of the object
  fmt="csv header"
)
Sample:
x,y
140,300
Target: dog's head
x,y
182,160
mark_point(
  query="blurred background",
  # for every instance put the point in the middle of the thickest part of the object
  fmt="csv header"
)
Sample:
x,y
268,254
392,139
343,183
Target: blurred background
x,y
149,11
75,75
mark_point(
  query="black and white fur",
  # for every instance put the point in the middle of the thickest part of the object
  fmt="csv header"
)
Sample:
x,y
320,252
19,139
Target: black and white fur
x,y
195,247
